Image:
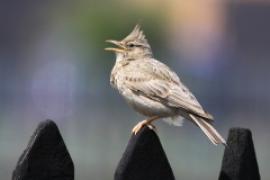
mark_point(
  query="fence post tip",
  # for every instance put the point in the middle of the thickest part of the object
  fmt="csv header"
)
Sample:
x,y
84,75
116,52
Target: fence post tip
x,y
46,156
239,160
144,159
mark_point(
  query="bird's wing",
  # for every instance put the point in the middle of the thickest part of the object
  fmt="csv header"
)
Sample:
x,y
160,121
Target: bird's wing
x,y
156,81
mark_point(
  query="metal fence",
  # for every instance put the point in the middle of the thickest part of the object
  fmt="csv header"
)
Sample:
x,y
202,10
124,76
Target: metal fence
x,y
47,158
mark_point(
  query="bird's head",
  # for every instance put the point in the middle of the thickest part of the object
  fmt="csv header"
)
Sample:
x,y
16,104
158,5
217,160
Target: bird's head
x,y
134,46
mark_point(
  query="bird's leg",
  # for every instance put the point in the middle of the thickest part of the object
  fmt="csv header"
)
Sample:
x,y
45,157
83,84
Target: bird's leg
x,y
146,122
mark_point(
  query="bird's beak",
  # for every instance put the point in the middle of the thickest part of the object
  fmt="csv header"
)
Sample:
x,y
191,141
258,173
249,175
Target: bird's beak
x,y
120,49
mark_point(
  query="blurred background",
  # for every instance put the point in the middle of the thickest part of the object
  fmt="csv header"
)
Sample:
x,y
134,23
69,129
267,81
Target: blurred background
x,y
53,66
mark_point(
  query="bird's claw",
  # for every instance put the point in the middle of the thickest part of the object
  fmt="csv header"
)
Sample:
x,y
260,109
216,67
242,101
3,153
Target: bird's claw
x,y
141,124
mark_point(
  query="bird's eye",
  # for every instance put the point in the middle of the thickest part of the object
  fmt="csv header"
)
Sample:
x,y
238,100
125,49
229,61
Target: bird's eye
x,y
131,45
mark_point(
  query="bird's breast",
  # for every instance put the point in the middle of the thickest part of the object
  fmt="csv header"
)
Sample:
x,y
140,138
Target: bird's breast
x,y
115,78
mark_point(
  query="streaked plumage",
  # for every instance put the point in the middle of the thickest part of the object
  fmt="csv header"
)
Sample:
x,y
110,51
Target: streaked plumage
x,y
153,89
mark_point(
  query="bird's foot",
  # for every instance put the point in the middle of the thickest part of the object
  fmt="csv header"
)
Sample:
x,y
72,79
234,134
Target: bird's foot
x,y
141,124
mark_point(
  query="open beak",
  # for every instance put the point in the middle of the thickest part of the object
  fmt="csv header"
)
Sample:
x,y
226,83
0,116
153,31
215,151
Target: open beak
x,y
120,49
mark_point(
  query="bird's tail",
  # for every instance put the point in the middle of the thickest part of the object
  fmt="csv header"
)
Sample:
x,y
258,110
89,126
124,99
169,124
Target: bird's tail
x,y
208,130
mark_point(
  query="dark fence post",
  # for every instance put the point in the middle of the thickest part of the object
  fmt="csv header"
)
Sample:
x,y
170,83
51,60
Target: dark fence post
x,y
46,156
144,159
239,161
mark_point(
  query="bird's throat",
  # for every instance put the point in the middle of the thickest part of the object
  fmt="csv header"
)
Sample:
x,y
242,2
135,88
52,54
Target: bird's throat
x,y
119,57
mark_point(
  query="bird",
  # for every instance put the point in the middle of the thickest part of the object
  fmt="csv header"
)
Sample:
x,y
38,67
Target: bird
x,y
154,90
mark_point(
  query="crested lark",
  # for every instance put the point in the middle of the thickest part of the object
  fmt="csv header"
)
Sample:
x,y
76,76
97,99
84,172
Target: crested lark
x,y
153,89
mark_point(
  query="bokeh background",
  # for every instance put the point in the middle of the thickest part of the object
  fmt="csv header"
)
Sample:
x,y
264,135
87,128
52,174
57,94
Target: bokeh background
x,y
52,65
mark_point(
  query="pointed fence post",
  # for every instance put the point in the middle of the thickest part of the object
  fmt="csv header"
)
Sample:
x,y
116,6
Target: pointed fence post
x,y
144,159
239,160
46,156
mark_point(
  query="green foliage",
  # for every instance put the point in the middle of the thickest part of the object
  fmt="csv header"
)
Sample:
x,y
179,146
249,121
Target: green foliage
x,y
100,22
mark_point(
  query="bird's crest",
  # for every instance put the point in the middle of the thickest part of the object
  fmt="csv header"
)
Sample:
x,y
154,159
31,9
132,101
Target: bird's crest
x,y
136,35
